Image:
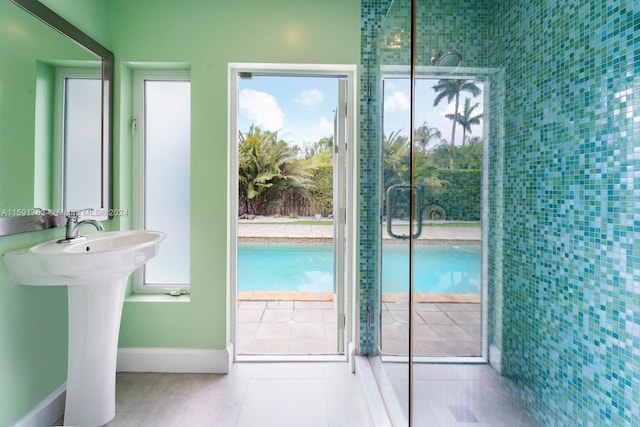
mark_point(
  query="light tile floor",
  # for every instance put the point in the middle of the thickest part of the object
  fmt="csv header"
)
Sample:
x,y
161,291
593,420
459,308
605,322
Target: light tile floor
x,y
457,395
251,395
311,394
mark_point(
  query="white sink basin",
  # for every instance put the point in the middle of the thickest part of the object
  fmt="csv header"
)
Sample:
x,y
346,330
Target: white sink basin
x,y
97,268
99,257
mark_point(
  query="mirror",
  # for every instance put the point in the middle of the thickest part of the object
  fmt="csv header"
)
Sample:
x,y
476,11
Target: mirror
x,y
55,120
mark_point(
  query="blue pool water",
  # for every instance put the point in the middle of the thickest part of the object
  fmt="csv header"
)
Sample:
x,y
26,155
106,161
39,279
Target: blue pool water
x,y
300,267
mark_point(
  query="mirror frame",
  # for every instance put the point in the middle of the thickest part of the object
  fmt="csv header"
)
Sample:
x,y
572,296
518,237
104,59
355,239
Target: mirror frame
x,y
39,219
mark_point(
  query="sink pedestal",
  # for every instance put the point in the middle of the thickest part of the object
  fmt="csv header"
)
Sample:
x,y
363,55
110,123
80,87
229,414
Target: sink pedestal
x,y
95,311
95,270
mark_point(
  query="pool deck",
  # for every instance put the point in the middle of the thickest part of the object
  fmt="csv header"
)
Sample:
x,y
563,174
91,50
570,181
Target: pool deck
x,y
261,229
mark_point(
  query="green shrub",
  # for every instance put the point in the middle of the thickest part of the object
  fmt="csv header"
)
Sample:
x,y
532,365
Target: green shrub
x,y
459,194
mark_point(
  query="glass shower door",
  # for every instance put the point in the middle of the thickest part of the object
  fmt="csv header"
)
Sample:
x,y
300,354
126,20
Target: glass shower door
x,y
431,289
431,260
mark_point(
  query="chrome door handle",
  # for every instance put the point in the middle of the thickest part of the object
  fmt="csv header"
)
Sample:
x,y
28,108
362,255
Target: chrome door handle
x,y
418,197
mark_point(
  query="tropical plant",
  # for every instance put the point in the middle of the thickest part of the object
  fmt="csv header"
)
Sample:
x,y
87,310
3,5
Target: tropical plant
x,y
323,147
466,119
396,159
471,154
451,89
424,135
268,166
321,194
444,155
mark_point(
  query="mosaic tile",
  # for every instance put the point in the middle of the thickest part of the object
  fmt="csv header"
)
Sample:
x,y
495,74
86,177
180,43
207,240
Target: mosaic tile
x,y
564,258
564,190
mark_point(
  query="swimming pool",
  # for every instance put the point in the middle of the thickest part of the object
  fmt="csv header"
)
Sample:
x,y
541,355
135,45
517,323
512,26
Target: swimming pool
x,y
304,267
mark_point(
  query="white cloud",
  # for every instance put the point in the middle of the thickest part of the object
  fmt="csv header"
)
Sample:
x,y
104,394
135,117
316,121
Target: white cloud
x,y
389,85
397,101
321,127
262,109
309,98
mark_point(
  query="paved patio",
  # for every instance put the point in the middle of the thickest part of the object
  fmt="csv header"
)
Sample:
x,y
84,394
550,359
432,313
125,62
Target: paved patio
x,y
309,328
287,327
268,228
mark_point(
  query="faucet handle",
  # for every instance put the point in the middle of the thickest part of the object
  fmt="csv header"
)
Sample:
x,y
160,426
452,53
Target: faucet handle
x,y
72,216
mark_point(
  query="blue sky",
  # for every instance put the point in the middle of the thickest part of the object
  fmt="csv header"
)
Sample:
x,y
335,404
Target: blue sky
x,y
301,109
397,108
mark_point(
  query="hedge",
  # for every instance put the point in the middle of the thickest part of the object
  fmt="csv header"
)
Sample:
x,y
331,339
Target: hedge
x,y
457,197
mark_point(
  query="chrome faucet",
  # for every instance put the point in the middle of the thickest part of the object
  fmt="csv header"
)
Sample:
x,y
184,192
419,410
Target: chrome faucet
x,y
73,227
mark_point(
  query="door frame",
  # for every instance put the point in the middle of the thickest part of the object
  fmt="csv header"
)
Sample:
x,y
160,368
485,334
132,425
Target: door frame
x,y
348,72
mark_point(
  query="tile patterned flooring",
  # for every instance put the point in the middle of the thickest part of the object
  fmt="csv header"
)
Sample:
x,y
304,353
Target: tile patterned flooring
x,y
309,327
440,329
311,394
251,395
286,327
457,395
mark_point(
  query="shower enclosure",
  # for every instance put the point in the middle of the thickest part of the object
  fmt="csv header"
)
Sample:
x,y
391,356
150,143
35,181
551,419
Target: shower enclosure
x,y
434,109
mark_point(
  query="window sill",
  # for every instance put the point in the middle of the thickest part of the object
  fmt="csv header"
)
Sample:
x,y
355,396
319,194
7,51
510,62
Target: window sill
x,y
156,298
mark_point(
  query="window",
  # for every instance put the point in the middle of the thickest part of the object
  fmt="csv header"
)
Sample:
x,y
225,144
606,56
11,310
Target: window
x,y
78,146
162,124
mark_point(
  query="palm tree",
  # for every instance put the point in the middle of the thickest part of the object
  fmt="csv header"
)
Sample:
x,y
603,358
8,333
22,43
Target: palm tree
x,y
425,134
443,156
451,89
267,167
471,154
467,119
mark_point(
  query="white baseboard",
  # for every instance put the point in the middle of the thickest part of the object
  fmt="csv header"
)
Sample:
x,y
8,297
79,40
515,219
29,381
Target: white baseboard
x,y
46,412
179,360
495,358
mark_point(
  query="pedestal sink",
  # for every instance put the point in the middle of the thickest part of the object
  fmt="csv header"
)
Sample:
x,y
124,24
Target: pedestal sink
x,y
95,270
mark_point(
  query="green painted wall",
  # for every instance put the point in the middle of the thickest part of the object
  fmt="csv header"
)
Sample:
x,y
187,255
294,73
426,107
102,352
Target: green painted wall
x,y
33,337
33,320
209,35
92,17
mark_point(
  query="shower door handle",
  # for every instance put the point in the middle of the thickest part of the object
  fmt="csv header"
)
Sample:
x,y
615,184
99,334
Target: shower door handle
x,y
418,197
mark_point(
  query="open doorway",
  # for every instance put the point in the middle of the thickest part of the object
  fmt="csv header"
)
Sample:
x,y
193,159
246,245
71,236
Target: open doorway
x,y
291,129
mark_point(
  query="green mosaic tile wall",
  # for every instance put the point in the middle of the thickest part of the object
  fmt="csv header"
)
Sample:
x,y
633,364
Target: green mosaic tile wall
x,y
372,15
570,332
564,208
